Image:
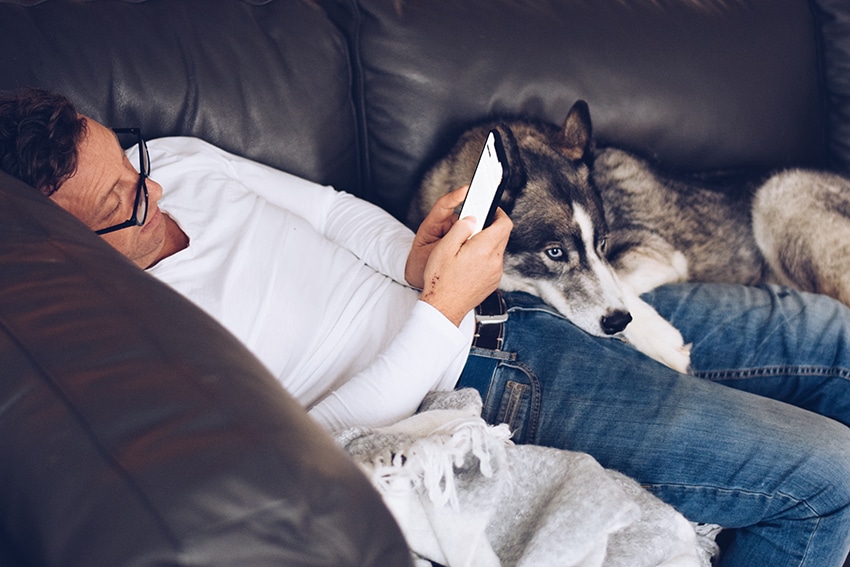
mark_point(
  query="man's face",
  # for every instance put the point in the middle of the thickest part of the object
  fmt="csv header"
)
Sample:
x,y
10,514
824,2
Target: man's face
x,y
102,191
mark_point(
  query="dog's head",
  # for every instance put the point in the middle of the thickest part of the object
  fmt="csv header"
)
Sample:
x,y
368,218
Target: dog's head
x,y
557,248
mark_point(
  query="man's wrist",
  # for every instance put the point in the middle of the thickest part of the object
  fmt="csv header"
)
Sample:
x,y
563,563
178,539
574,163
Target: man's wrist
x,y
412,278
449,309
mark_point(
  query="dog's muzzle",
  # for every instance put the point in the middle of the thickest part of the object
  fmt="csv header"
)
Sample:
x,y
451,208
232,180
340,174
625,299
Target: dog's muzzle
x,y
490,319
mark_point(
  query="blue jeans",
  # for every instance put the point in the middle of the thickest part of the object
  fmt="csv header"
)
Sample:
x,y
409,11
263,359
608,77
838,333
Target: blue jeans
x,y
730,445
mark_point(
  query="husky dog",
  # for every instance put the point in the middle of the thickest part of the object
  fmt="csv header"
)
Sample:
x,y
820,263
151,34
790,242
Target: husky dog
x,y
596,227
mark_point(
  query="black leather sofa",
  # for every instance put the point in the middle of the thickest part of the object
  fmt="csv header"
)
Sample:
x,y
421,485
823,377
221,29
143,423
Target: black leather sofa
x,y
135,431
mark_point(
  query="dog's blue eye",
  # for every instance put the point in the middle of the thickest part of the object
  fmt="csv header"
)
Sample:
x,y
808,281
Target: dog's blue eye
x,y
555,253
603,245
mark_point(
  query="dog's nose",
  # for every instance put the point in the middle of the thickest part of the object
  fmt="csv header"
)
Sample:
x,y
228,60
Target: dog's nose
x,y
615,321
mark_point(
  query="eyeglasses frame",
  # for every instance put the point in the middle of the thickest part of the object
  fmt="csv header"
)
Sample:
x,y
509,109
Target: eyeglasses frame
x,y
141,188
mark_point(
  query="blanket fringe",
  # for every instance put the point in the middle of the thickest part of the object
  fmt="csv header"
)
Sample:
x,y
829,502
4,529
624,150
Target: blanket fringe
x,y
432,462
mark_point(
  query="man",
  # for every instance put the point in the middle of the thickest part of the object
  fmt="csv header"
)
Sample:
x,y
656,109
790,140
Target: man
x,y
324,288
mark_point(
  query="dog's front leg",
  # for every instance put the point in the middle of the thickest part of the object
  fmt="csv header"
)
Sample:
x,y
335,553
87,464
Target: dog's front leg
x,y
653,264
653,335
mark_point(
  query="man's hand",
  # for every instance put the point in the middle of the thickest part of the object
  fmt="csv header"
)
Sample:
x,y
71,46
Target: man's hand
x,y
454,271
433,228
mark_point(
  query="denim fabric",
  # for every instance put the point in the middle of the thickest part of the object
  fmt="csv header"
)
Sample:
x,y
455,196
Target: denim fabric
x,y
777,476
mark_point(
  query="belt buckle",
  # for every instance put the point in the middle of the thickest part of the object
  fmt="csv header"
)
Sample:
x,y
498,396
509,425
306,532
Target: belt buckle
x,y
496,319
491,316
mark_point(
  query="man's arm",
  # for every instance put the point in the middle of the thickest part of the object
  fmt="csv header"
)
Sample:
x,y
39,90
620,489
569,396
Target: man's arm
x,y
427,354
363,228
458,273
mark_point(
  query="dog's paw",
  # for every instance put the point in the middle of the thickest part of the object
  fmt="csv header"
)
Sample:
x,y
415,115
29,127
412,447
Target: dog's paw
x,y
664,343
654,336
675,355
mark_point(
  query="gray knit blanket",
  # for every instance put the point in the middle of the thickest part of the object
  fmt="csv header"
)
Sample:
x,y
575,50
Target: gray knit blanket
x,y
464,495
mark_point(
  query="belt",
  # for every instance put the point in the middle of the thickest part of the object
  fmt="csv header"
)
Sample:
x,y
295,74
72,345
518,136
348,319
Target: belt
x,y
490,319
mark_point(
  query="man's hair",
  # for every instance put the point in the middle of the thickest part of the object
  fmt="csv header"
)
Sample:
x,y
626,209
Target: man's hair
x,y
39,135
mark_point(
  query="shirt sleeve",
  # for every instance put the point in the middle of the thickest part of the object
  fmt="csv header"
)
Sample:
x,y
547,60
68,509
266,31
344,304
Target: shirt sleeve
x,y
366,230
427,352
391,388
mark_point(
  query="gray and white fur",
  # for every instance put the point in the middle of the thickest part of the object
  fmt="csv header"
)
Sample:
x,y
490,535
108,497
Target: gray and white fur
x,y
596,227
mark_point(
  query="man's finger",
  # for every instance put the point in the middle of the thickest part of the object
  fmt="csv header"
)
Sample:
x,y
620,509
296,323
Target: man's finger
x,y
459,233
452,199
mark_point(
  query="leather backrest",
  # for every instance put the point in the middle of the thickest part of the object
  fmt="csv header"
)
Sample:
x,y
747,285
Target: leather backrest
x,y
832,18
699,84
269,80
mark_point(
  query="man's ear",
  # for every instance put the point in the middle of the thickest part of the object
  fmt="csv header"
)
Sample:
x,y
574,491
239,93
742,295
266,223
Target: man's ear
x,y
515,171
576,138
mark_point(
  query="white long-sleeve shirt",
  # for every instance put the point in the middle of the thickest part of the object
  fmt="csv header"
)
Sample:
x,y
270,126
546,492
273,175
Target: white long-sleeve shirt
x,y
310,279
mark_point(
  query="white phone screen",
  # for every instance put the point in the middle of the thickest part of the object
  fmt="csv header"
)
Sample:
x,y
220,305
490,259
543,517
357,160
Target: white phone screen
x,y
484,185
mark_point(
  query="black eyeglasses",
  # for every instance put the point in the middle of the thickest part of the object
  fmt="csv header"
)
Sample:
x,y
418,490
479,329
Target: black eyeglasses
x,y
140,207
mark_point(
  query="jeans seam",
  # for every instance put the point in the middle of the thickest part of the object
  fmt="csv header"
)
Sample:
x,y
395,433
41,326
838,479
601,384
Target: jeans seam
x,y
769,371
537,310
512,404
535,400
759,493
816,516
722,489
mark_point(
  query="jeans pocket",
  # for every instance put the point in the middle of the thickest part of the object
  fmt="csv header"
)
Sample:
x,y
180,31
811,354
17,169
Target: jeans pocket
x,y
512,398
513,408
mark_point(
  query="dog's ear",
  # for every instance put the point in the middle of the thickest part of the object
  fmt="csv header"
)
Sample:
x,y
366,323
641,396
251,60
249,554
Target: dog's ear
x,y
516,175
576,138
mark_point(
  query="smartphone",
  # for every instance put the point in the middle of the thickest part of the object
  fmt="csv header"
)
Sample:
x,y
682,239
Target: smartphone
x,y
485,189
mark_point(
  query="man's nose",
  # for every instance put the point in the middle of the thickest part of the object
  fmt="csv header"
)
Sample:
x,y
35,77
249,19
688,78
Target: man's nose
x,y
154,189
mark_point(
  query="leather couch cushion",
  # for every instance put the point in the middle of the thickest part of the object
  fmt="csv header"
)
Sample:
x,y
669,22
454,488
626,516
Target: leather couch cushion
x,y
134,430
702,85
833,20
269,80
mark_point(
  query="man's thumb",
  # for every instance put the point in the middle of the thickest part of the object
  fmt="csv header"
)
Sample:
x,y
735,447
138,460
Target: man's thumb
x,y
461,231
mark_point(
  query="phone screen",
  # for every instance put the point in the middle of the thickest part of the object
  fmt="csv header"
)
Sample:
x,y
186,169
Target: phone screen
x,y
485,189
